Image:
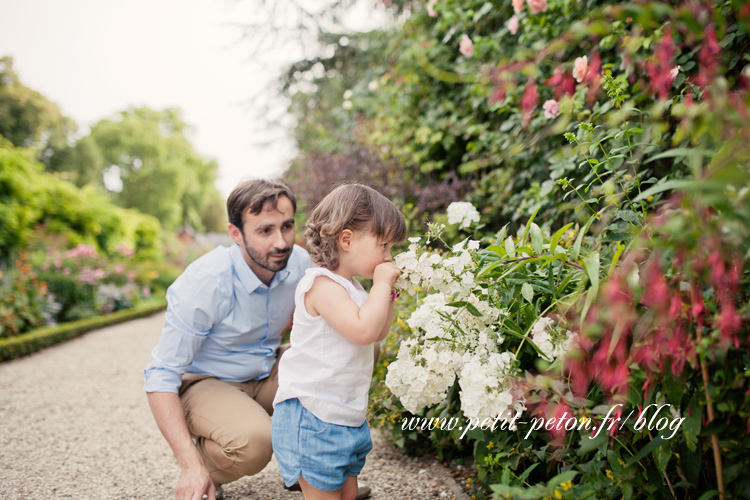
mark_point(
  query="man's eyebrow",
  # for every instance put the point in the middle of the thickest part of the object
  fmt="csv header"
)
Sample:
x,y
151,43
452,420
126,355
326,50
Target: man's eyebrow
x,y
267,226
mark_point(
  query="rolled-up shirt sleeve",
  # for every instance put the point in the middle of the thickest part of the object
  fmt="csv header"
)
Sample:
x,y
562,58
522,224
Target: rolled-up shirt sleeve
x,y
196,302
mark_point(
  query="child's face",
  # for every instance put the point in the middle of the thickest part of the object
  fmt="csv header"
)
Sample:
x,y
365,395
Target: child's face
x,y
369,252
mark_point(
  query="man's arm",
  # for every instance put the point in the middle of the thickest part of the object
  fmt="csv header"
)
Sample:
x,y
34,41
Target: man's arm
x,y
195,480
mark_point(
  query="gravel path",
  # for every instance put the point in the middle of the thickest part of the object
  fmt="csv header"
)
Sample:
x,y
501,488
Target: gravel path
x,y
74,423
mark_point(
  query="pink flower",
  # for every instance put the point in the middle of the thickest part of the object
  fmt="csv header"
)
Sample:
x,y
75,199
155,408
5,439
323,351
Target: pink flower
x,y
537,6
580,68
513,25
431,8
528,102
517,6
466,47
119,268
675,71
551,108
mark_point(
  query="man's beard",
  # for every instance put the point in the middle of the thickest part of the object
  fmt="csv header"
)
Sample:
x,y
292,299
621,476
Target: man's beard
x,y
265,261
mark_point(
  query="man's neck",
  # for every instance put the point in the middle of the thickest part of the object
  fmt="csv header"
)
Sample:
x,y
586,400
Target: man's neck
x,y
263,274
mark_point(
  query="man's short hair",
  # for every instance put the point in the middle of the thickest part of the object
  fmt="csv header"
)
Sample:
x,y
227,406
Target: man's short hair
x,y
253,195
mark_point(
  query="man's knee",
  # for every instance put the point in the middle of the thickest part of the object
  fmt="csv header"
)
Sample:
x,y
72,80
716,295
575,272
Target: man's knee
x,y
254,450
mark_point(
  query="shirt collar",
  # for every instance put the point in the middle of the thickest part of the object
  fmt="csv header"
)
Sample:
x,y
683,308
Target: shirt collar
x,y
246,275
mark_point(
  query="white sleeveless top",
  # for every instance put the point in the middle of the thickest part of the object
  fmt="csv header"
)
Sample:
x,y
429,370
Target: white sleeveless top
x,y
329,374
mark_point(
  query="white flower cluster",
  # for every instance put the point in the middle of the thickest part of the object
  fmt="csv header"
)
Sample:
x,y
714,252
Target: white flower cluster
x,y
488,387
462,213
456,332
550,341
452,276
450,341
421,376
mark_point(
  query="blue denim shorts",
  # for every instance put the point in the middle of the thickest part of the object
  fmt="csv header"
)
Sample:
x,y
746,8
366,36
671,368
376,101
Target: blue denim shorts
x,y
324,454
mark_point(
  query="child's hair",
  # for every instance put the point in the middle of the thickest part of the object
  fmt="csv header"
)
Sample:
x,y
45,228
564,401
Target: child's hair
x,y
355,207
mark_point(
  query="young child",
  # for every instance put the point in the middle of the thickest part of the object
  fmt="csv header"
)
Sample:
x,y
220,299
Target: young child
x,y
320,436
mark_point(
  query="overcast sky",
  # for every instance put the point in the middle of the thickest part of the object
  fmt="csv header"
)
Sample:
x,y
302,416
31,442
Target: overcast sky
x,y
96,57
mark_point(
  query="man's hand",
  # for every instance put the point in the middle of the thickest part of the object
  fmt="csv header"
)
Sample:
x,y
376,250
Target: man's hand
x,y
387,273
194,483
170,417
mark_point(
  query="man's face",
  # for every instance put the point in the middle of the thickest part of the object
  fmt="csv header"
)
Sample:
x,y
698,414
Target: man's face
x,y
267,238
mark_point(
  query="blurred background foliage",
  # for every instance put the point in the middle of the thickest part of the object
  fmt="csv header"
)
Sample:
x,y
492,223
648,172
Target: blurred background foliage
x,y
122,191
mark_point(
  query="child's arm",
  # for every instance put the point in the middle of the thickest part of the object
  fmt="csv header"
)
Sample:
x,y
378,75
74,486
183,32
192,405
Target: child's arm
x,y
388,323
361,325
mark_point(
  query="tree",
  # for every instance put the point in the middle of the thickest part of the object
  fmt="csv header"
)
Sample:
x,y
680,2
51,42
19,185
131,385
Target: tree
x,y
30,120
162,175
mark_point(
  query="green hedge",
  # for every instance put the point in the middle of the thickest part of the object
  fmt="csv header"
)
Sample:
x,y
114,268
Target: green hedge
x,y
40,338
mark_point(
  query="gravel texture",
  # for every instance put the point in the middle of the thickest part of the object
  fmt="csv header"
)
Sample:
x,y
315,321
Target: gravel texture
x,y
75,423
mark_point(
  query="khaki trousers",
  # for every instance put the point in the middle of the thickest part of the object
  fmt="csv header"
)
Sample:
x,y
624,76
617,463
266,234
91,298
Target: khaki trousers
x,y
231,422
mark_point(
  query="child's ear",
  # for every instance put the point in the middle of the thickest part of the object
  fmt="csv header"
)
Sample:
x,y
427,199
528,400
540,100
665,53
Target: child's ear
x,y
345,239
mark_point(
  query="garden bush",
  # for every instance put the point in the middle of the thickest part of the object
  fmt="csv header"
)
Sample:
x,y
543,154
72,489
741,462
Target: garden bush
x,y
608,147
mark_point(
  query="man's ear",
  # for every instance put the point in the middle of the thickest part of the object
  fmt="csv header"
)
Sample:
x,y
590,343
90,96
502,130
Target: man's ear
x,y
234,233
345,240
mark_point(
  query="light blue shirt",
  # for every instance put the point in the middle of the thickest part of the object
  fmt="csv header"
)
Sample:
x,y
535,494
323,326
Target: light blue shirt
x,y
223,321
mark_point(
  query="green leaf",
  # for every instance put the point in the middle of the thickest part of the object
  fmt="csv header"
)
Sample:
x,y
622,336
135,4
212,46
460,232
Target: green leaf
x,y
556,237
651,446
509,246
616,258
576,249
681,152
716,426
528,224
691,426
562,478
591,265
486,8
537,241
498,250
709,494
526,473
473,310
563,284
528,292
661,456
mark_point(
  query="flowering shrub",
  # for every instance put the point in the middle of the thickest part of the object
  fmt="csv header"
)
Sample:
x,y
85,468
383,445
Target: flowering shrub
x,y
24,299
583,117
85,283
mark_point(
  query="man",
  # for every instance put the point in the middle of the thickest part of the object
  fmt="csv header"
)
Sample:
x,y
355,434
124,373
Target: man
x,y
213,375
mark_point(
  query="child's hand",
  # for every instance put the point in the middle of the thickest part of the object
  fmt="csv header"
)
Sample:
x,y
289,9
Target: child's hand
x,y
387,273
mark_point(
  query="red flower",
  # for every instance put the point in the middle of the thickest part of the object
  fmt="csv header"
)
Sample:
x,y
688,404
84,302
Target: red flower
x,y
528,102
660,66
729,323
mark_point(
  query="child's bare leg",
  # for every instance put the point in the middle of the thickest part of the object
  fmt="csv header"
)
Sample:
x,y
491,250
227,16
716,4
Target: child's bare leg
x,y
349,491
313,493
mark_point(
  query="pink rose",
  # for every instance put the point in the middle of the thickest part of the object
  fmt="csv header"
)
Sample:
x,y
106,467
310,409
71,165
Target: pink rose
x,y
513,25
551,108
537,6
431,8
466,46
517,6
580,68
